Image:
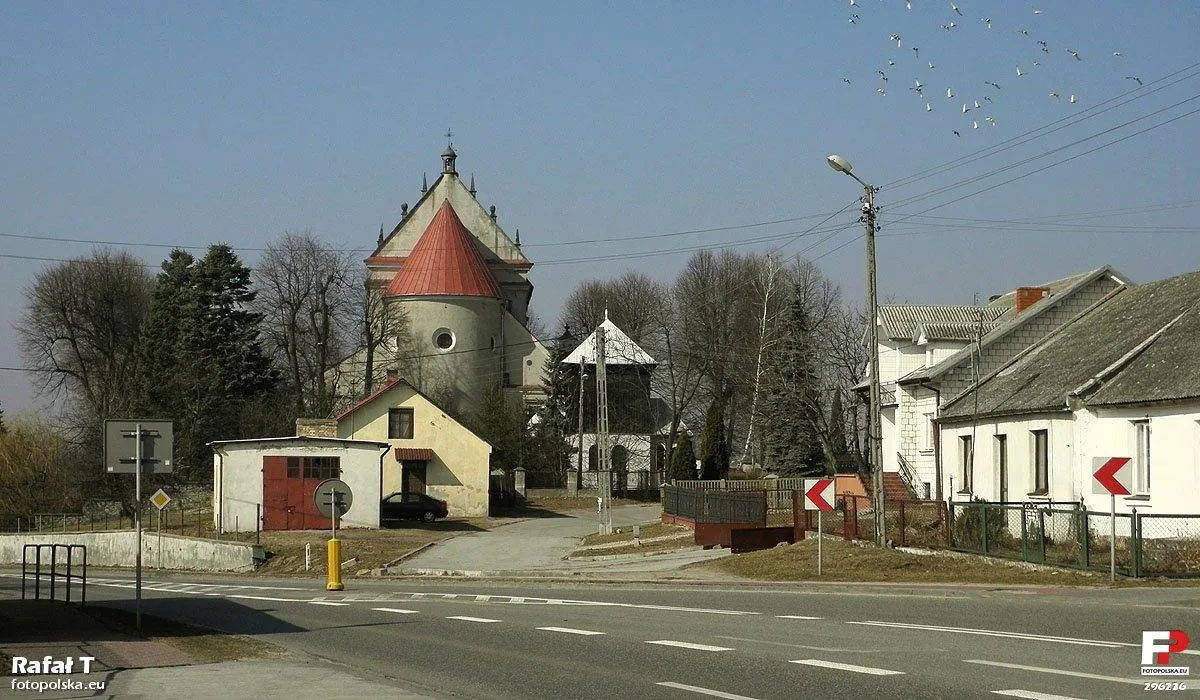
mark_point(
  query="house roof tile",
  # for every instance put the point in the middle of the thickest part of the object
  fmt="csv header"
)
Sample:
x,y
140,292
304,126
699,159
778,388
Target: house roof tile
x,y
444,262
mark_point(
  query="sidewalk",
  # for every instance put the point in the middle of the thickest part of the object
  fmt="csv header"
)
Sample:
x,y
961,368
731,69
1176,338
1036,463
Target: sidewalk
x,y
131,667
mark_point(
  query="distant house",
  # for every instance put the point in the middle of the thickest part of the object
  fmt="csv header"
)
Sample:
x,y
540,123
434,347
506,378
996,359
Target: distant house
x,y
1122,380
929,354
431,452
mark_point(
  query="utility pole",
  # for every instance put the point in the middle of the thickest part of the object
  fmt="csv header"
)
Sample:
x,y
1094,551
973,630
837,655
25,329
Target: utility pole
x,y
604,468
579,435
875,431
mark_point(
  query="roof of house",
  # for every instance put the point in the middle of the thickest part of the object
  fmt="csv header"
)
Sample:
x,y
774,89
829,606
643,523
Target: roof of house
x,y
1009,320
619,349
953,331
387,386
1138,347
444,262
900,322
299,438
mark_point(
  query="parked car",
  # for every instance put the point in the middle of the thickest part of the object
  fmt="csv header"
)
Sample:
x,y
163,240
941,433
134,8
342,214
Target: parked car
x,y
412,506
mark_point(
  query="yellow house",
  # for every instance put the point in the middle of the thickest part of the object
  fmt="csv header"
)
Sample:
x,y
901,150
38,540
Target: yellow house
x,y
431,452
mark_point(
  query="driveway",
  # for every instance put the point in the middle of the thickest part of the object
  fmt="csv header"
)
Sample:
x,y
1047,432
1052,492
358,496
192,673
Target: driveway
x,y
539,545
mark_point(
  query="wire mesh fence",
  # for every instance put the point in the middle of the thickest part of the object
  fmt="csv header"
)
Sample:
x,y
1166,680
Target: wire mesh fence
x,y
177,518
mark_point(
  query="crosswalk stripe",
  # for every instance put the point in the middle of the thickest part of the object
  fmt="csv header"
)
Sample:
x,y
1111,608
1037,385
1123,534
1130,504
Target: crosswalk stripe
x,y
569,630
688,645
847,667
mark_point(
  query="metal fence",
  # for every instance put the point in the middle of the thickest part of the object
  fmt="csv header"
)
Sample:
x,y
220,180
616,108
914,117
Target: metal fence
x,y
1070,535
715,506
177,517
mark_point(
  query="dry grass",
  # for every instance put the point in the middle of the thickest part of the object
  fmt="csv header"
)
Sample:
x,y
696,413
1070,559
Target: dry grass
x,y
845,561
205,646
650,548
625,534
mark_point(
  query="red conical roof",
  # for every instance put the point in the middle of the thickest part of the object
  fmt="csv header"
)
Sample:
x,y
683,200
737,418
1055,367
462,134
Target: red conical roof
x,y
444,262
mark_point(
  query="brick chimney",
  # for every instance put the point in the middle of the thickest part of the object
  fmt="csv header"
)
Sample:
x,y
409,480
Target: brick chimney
x,y
393,375
1028,296
316,427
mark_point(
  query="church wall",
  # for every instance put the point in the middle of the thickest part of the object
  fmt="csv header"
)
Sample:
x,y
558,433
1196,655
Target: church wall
x,y
474,360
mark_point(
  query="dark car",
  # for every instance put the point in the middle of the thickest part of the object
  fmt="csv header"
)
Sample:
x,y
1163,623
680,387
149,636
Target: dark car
x,y
412,506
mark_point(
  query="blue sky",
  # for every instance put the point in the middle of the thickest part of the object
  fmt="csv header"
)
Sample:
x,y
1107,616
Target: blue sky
x,y
152,125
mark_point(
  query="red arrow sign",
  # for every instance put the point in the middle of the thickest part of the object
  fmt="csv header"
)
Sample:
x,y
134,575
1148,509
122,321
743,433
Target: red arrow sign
x,y
818,494
1107,475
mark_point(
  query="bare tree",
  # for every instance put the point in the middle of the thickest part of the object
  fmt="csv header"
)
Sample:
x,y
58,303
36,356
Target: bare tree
x,y
632,301
307,298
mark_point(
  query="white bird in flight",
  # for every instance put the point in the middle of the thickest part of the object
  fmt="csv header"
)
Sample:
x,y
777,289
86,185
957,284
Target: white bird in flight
x,y
955,8
845,80
995,85
1020,72
990,121
949,94
950,26
1118,54
988,22
976,104
928,107
895,38
931,66
1055,95
1072,99
916,52
974,125
880,91
1036,11
1074,54
1134,78
966,108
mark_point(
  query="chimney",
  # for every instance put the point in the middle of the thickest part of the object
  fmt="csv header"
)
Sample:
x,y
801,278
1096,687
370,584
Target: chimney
x,y
392,375
1028,296
316,427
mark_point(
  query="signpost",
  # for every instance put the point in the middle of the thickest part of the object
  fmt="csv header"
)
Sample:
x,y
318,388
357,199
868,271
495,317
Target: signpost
x,y
332,499
151,452
818,496
160,499
1111,475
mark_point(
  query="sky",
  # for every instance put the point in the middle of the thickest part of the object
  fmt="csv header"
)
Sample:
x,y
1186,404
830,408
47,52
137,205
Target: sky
x,y
615,136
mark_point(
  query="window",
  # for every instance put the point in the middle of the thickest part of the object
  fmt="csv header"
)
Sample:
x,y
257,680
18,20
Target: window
x,y
1001,452
1141,456
321,467
966,458
927,433
400,423
1040,440
293,467
443,338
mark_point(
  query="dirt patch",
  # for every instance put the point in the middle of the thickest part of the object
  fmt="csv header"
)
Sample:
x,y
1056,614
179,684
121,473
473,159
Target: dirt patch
x,y
205,646
845,561
372,549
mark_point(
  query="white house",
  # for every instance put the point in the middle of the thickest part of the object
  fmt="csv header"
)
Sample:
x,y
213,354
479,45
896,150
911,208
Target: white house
x,y
929,354
1122,380
273,479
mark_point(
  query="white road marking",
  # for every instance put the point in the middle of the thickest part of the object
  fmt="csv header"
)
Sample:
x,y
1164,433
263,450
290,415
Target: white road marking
x,y
798,617
993,633
1032,695
689,645
401,611
829,650
253,597
1055,671
703,691
569,630
847,667
327,602
470,619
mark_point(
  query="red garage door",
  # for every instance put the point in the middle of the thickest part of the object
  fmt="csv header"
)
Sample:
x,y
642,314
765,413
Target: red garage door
x,y
288,487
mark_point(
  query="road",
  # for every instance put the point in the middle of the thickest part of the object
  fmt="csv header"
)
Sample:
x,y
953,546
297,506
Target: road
x,y
479,639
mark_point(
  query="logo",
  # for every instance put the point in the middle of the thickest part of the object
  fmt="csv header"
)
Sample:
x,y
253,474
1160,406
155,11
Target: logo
x,y
1157,647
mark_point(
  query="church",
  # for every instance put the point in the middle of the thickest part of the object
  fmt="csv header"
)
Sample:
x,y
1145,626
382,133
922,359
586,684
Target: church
x,y
448,293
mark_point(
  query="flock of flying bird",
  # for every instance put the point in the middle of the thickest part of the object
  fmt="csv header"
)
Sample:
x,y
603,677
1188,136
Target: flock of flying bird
x,y
984,102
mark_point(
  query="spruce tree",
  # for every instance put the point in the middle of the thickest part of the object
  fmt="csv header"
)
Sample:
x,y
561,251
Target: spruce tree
x,y
549,449
714,445
791,399
683,460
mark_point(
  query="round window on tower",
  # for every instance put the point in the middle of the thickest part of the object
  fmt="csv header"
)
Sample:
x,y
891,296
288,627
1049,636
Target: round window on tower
x,y
443,339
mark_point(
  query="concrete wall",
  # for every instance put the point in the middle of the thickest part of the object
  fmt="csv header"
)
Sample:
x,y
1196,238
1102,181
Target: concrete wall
x,y
458,472
476,358
119,549
1062,466
525,355
238,479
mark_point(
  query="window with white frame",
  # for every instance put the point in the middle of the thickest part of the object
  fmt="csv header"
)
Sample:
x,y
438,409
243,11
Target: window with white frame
x,y
966,460
1141,456
1039,441
1000,452
927,432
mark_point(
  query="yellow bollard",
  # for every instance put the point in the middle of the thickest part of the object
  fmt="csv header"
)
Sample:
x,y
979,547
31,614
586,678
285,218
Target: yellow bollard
x,y
334,566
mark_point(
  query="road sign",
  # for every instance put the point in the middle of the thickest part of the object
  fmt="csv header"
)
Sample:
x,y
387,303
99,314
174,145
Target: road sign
x,y
1111,475
120,448
160,499
818,494
329,493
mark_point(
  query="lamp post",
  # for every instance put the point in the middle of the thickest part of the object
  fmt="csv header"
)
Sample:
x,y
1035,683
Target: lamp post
x,y
874,428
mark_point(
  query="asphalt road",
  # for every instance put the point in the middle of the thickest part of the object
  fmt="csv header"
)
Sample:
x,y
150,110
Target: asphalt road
x,y
476,639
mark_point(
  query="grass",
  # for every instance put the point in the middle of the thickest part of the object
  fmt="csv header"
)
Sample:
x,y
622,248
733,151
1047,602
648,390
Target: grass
x,y
845,561
205,646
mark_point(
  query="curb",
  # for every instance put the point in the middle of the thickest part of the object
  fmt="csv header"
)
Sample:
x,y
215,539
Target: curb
x,y
635,555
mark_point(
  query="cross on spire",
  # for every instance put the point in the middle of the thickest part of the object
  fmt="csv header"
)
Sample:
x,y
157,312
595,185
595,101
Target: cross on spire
x,y
449,139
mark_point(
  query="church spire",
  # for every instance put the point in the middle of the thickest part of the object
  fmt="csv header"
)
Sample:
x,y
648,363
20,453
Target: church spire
x,y
449,156
424,184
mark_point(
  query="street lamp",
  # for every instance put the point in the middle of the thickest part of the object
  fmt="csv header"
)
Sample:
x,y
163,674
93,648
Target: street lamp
x,y
874,428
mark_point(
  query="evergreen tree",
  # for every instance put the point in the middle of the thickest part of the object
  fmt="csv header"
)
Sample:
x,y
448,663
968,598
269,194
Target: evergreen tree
x,y
501,423
201,363
792,413
714,445
683,460
549,451
2,428
842,462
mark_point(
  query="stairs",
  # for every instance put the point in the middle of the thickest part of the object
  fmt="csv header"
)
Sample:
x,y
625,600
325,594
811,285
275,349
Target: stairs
x,y
894,488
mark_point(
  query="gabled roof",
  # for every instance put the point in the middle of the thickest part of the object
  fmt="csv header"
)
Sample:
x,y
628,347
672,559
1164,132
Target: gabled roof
x,y
388,386
1138,347
619,349
444,262
303,439
1009,320
900,322
928,332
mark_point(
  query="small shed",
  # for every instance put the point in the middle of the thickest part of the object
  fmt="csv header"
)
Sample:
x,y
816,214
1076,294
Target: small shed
x,y
273,479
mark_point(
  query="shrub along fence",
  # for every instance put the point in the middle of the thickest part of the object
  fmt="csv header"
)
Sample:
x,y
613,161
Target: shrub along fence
x,y
1070,535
